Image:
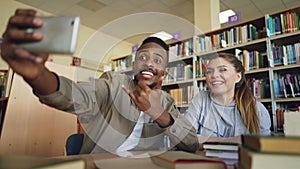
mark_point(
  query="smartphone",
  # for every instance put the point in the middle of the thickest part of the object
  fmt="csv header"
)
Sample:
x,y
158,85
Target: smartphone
x,y
60,35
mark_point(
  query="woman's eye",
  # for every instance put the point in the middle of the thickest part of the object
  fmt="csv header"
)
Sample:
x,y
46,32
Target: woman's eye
x,y
222,70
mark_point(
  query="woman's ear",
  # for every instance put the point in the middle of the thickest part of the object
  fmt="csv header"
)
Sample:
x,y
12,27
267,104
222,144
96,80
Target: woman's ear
x,y
239,77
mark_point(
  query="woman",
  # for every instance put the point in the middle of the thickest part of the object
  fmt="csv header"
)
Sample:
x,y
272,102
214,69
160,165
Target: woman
x,y
229,108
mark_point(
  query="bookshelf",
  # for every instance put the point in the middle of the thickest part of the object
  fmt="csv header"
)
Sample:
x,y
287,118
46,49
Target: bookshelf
x,y
122,64
268,46
6,76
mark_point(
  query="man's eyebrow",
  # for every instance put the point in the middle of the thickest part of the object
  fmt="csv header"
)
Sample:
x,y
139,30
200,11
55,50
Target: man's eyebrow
x,y
158,54
147,50
143,50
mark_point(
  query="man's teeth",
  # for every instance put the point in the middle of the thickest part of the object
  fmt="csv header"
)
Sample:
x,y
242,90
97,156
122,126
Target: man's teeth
x,y
147,73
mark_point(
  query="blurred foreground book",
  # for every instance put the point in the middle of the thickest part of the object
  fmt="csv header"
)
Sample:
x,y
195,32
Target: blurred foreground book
x,y
29,162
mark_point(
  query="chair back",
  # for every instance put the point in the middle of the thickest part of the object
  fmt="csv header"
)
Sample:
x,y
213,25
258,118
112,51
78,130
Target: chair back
x,y
74,143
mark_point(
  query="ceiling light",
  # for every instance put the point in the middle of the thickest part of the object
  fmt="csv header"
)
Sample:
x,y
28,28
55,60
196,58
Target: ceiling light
x,y
162,35
223,16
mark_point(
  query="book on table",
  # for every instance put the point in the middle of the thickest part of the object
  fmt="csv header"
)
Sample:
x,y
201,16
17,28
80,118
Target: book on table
x,y
250,159
230,158
126,162
272,144
221,144
184,160
222,154
29,162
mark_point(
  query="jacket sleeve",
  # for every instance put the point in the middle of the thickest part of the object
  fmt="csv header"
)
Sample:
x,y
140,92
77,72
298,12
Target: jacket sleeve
x,y
181,133
78,98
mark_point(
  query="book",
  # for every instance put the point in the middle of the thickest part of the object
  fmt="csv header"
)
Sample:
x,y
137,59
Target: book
x,y
216,146
124,163
222,154
221,145
291,125
184,160
280,119
272,144
230,158
30,162
249,159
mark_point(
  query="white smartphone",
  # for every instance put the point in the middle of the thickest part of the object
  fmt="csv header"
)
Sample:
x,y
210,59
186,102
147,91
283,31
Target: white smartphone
x,y
60,35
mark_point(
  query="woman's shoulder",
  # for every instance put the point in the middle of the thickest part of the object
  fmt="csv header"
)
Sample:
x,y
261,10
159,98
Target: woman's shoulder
x,y
259,104
260,107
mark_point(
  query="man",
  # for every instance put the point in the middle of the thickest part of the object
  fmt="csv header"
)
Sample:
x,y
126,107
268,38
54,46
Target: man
x,y
121,114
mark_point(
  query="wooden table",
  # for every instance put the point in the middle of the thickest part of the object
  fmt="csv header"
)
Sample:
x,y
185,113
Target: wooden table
x,y
90,158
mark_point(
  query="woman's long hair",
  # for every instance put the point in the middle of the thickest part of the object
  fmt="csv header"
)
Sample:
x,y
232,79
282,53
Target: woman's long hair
x,y
244,98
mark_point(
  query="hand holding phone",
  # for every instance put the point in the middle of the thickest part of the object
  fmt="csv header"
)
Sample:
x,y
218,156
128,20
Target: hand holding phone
x,y
59,35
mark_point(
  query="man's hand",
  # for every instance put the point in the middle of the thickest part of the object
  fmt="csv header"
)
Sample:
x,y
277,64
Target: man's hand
x,y
25,63
149,101
31,66
145,99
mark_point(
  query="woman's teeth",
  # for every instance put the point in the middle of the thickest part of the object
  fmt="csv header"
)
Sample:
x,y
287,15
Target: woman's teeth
x,y
216,83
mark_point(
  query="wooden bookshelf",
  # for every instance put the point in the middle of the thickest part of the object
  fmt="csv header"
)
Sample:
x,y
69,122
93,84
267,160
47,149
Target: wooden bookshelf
x,y
6,76
3,104
248,39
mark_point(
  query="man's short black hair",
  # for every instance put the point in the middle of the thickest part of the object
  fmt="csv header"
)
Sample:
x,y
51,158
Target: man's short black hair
x,y
157,41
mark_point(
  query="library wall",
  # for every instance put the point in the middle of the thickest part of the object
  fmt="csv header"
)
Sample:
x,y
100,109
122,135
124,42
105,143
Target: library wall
x,y
31,128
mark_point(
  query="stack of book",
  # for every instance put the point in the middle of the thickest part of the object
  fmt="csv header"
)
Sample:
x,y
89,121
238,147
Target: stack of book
x,y
261,152
224,150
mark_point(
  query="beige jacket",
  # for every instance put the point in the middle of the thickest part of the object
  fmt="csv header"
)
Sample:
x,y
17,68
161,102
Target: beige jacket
x,y
109,115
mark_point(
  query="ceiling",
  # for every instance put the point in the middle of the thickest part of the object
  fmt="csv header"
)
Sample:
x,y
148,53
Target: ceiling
x,y
97,13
